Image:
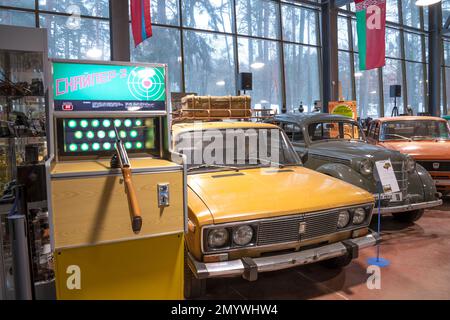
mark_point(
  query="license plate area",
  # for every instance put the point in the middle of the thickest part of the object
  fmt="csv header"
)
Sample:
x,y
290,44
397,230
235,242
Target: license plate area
x,y
397,197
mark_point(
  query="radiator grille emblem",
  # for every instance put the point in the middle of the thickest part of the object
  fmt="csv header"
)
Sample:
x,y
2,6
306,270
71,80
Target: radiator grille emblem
x,y
436,165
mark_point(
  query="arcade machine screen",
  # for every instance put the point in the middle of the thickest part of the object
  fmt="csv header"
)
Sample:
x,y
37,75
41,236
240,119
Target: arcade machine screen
x,y
96,136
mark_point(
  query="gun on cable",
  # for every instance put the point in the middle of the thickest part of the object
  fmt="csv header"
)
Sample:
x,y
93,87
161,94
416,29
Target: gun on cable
x,y
125,166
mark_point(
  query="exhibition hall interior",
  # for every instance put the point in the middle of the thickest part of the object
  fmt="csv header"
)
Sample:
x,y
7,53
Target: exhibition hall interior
x,y
224,150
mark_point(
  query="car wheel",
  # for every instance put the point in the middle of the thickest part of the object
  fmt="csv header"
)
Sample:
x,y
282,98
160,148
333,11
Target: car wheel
x,y
338,262
193,287
409,216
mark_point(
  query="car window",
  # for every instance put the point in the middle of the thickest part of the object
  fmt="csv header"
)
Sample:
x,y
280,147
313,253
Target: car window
x,y
334,130
415,130
294,132
370,131
376,131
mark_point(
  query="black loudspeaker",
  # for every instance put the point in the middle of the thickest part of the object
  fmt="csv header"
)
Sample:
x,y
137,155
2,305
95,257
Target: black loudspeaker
x,y
245,81
395,91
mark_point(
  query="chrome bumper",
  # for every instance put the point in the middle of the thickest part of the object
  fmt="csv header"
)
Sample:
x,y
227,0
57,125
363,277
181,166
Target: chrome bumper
x,y
250,267
408,207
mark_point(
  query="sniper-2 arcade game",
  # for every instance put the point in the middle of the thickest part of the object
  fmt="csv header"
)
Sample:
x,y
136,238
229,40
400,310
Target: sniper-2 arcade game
x,y
117,203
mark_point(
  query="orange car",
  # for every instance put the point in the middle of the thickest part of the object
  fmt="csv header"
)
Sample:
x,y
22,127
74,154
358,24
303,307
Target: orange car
x,y
426,139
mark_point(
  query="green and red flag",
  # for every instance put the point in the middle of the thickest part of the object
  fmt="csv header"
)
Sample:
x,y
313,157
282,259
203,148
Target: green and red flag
x,y
141,21
371,29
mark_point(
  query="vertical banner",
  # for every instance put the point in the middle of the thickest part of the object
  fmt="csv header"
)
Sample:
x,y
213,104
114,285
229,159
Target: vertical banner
x,y
371,29
141,22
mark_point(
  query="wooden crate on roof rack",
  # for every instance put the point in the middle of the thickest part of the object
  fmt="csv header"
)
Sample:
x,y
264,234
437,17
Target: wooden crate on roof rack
x,y
214,108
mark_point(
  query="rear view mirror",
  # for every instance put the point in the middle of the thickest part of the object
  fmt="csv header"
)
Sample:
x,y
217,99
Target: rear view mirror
x,y
304,157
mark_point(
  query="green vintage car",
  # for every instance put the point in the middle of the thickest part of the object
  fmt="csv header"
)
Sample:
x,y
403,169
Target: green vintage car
x,y
447,117
336,146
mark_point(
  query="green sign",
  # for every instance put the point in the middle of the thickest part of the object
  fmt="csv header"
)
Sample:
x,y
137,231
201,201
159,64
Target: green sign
x,y
108,87
343,110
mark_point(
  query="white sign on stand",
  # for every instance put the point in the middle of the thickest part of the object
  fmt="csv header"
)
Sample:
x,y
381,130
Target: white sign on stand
x,y
387,176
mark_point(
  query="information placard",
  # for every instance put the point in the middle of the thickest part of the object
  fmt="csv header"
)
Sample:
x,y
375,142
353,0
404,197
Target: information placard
x,y
387,176
91,87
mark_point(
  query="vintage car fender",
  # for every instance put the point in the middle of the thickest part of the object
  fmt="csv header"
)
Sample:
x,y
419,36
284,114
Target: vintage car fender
x,y
427,183
345,173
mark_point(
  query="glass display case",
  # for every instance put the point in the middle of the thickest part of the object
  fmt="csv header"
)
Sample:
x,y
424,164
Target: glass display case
x,y
23,149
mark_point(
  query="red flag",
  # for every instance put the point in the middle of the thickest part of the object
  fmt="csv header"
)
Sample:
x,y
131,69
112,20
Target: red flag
x,y
141,21
371,28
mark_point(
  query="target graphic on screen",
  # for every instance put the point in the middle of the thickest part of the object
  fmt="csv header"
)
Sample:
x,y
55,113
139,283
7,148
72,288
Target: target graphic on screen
x,y
147,83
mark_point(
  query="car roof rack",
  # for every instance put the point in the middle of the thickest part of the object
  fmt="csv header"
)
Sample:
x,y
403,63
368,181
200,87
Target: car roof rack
x,y
218,108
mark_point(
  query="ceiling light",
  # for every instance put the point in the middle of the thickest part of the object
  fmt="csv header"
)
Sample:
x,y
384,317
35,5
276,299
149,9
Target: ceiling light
x,y
423,3
94,53
358,74
257,65
220,83
373,92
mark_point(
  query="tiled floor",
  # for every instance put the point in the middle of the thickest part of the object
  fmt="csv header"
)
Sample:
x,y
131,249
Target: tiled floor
x,y
420,269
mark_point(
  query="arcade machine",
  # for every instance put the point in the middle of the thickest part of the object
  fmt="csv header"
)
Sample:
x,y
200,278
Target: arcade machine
x,y
117,194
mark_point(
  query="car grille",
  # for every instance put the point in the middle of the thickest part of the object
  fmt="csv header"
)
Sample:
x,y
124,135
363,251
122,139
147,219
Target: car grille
x,y
402,177
428,165
287,230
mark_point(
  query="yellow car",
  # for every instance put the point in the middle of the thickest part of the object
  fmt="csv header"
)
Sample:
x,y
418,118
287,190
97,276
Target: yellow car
x,y
252,213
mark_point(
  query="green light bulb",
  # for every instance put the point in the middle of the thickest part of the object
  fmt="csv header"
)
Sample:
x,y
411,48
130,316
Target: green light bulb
x,y
96,146
127,123
112,134
117,123
106,123
107,146
78,134
122,134
101,134
139,145
73,147
133,133
90,135
85,147
84,123
138,122
72,124
95,123
128,145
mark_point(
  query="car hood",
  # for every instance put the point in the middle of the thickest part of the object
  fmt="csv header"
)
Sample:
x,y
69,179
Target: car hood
x,y
422,150
351,150
270,192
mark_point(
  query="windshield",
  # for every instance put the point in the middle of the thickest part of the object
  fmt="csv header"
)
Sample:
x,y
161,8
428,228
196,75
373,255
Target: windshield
x,y
334,130
234,149
415,130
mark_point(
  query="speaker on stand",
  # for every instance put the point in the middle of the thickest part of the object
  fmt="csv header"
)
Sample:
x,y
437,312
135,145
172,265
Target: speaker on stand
x,y
394,92
245,81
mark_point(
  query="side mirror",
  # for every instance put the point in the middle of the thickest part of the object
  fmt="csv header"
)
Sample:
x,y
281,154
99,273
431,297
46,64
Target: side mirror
x,y
304,157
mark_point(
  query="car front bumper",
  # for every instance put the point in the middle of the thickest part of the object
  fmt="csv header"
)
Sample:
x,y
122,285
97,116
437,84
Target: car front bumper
x,y
249,268
408,207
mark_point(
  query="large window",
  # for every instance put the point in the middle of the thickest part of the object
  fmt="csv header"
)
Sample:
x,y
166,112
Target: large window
x,y
262,58
392,75
206,43
209,63
77,29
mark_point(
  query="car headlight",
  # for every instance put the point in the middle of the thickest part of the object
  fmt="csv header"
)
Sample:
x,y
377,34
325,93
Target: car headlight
x,y
343,219
359,215
366,167
242,235
218,238
410,164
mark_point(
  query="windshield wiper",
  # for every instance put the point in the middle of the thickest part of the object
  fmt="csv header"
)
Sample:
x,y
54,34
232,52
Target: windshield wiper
x,y
270,163
204,166
397,135
422,138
